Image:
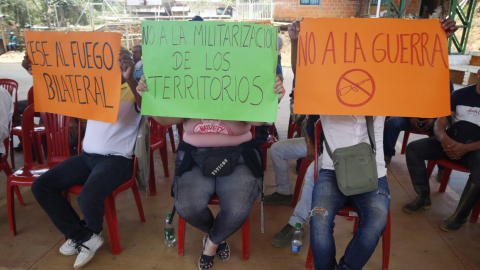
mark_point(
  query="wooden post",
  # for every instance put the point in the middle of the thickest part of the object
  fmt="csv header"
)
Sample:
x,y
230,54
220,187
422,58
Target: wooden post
x,y
3,31
91,17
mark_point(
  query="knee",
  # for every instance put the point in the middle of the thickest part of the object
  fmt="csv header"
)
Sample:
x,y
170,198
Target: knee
x,y
276,149
38,186
412,149
375,223
321,220
187,209
88,198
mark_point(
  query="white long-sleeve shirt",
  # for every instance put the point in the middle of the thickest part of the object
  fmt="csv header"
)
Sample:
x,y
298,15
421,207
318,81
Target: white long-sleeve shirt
x,y
6,112
347,130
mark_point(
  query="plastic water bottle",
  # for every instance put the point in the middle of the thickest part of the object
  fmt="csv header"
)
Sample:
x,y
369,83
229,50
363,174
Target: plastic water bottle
x,y
169,232
297,240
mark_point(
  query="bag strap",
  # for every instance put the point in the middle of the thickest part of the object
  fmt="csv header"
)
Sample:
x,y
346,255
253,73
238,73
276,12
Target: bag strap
x,y
371,137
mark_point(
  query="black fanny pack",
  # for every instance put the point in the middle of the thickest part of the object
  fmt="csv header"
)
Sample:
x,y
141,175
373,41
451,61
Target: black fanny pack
x,y
217,162
464,132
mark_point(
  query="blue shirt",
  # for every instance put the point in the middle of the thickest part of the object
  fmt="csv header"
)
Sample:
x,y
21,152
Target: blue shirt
x,y
279,69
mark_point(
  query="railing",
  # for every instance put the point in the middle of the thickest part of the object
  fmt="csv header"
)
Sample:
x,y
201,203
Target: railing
x,y
254,11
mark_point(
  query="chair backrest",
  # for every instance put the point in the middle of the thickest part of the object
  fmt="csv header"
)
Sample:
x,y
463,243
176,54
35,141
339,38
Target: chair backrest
x,y
271,130
252,130
27,132
56,129
11,86
318,133
30,97
157,131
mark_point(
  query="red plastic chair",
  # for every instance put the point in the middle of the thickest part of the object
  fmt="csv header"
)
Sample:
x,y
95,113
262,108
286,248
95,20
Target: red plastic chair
x,y
449,166
172,137
157,141
4,166
266,145
30,171
180,131
407,134
38,129
349,211
301,175
292,127
110,209
245,233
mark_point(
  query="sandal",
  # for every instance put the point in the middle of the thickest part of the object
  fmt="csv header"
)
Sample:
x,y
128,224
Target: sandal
x,y
205,262
223,251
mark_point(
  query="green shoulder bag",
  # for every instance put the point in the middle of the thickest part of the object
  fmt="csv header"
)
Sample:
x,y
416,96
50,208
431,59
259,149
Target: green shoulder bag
x,y
356,166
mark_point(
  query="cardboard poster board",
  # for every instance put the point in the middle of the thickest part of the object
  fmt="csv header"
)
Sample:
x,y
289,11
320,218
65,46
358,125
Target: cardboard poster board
x,y
386,67
210,70
76,73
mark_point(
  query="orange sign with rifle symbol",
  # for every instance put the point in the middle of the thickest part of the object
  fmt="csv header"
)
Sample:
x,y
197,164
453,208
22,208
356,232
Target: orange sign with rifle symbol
x,y
355,88
384,67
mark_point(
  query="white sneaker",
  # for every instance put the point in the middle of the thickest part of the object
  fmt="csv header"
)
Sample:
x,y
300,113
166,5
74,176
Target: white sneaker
x,y
68,248
87,250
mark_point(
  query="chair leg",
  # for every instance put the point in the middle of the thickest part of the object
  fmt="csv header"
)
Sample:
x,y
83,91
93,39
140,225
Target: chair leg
x,y
475,213
164,156
309,263
264,154
301,175
180,131
445,179
181,235
386,243
246,240
12,154
111,218
430,166
11,209
19,195
405,142
151,182
172,138
136,194
355,225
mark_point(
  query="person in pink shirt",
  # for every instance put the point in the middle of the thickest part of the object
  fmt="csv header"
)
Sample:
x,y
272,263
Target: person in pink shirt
x,y
235,177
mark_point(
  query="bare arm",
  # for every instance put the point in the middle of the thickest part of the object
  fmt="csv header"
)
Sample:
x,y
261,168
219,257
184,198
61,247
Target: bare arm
x,y
293,30
310,147
127,66
168,121
440,129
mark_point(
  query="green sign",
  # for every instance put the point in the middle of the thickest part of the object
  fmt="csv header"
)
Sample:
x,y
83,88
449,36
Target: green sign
x,y
210,70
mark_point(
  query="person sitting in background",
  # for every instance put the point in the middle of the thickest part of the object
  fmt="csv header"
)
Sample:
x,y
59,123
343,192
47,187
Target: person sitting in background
x,y
137,58
6,113
237,187
105,164
459,144
12,45
395,125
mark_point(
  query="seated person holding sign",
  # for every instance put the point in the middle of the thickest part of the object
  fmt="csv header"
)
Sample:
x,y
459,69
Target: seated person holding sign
x,y
105,164
237,185
356,137
460,143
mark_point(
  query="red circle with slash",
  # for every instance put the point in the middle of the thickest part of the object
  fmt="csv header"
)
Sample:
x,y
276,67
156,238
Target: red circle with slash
x,y
363,83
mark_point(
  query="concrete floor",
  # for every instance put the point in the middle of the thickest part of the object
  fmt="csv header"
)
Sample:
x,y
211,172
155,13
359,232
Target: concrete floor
x,y
417,241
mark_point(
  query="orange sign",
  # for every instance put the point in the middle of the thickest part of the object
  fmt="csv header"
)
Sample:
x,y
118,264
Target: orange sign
x,y
386,67
76,73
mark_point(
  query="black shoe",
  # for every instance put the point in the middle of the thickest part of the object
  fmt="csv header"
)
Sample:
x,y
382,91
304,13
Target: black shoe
x,y
19,148
417,205
284,237
278,199
470,198
387,160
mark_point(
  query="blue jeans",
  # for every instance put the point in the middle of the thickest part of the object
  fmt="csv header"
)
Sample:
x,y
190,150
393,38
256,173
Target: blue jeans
x,y
393,127
237,193
372,209
100,176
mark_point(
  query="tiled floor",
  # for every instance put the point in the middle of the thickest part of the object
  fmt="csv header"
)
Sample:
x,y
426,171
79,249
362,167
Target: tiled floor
x,y
417,241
